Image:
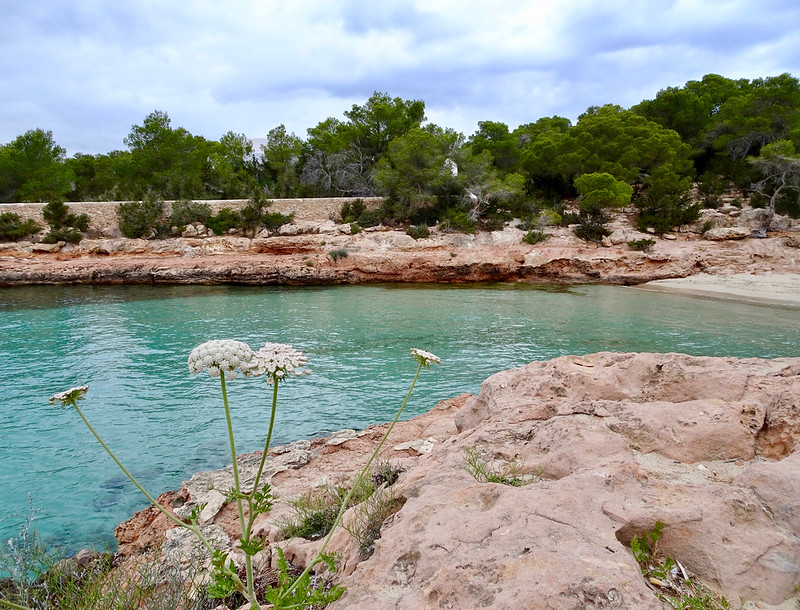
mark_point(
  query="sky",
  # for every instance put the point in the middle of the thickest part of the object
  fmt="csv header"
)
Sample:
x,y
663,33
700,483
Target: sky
x,y
88,70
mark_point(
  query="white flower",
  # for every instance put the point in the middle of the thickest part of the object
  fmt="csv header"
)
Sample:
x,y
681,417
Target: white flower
x,y
275,360
425,358
221,356
69,397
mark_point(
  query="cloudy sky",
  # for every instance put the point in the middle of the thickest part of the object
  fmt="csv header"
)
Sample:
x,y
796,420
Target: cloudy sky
x,y
89,69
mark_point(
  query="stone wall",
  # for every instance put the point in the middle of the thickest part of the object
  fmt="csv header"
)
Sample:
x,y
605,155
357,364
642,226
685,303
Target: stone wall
x,y
103,220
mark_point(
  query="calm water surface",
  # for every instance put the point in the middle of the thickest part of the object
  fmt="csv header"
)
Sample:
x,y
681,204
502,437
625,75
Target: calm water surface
x,y
131,343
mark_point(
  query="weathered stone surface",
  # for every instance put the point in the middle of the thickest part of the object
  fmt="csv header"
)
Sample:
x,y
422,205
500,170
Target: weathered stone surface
x,y
726,233
611,444
385,255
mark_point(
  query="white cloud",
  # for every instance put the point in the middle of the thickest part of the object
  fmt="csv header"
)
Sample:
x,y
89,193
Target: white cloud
x,y
89,69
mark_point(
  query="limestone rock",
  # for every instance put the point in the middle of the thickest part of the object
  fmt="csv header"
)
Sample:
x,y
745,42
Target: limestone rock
x,y
608,443
42,247
726,233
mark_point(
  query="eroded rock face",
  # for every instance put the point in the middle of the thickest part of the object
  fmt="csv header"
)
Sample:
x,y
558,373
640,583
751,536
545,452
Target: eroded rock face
x,y
610,444
385,255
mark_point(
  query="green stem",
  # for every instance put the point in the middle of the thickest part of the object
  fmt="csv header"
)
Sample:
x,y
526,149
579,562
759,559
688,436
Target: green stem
x,y
125,470
360,476
193,527
269,435
236,486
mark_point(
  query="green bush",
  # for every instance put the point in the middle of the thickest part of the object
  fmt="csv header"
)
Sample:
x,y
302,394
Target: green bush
x,y
67,234
64,225
337,254
315,511
186,211
592,231
418,231
140,219
58,216
570,218
457,221
276,220
356,212
534,237
352,210
642,245
224,220
13,228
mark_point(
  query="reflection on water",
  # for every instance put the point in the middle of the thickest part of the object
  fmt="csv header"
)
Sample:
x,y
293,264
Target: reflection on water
x,y
130,343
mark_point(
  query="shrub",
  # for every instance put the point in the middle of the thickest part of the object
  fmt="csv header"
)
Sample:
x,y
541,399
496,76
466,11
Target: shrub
x,y
570,218
58,216
140,219
642,245
64,225
457,221
369,517
337,254
356,212
355,228
13,228
549,218
418,231
668,578
224,220
371,218
351,210
186,211
249,219
592,231
276,220
707,226
534,237
67,234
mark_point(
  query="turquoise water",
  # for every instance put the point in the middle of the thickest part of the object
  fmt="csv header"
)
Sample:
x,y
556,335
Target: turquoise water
x,y
131,343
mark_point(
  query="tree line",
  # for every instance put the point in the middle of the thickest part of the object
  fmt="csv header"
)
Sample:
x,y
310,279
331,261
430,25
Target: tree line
x,y
716,132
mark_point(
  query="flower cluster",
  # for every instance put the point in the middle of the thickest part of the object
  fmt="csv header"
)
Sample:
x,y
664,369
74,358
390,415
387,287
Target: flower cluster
x,y
425,358
276,360
221,356
69,397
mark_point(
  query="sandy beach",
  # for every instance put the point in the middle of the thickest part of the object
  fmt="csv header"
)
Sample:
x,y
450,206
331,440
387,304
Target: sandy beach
x,y
770,288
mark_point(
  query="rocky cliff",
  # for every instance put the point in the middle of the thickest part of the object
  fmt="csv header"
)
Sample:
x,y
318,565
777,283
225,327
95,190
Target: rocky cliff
x,y
325,253
603,447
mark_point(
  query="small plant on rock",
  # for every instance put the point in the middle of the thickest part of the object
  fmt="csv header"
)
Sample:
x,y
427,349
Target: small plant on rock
x,y
668,578
315,511
534,237
369,517
511,474
418,231
337,254
642,245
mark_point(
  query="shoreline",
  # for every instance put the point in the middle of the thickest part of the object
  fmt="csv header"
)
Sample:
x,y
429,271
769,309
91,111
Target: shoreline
x,y
387,255
781,289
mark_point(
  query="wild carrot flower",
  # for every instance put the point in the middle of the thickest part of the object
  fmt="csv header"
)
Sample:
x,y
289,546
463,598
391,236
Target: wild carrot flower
x,y
276,360
69,397
221,356
425,358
